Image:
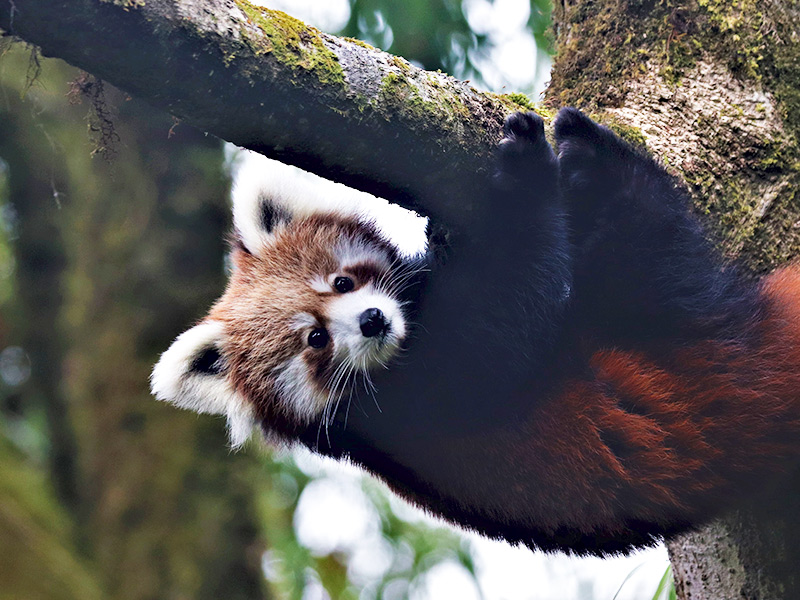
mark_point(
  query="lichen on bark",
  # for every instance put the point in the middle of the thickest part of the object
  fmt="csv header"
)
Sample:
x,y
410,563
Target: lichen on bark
x,y
713,88
292,42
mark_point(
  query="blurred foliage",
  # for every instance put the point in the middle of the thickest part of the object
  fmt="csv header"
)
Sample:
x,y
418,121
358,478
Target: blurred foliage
x,y
436,33
666,587
412,547
110,261
39,555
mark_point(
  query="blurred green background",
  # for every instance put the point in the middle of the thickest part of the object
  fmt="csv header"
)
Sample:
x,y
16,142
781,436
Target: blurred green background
x,y
111,243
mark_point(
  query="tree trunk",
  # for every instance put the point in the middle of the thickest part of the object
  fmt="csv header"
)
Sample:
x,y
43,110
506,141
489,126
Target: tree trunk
x,y
713,88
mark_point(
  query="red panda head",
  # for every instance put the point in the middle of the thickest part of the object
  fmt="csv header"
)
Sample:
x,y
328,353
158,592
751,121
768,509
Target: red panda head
x,y
312,303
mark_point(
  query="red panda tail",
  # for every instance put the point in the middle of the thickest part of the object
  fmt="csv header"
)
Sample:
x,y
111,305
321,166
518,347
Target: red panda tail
x,y
672,440
782,291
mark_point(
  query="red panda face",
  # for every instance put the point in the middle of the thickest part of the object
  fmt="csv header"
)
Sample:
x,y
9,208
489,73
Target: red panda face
x,y
308,315
311,306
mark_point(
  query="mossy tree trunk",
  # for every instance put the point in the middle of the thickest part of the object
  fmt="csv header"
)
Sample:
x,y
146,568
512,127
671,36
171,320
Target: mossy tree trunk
x,y
713,88
710,86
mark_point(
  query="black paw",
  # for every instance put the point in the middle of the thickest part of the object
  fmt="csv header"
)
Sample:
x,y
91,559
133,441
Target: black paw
x,y
524,156
572,125
591,157
523,126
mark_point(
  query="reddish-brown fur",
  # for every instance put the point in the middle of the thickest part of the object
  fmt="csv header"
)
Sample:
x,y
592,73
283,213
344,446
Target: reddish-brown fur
x,y
267,290
661,439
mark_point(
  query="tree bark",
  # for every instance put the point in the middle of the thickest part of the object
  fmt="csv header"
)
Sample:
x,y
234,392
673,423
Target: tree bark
x,y
709,86
713,89
265,81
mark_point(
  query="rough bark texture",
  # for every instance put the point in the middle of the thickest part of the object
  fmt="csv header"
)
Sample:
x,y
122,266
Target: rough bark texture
x,y
265,81
713,88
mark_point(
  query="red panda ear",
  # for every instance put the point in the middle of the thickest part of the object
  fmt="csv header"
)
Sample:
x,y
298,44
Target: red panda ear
x,y
193,374
268,195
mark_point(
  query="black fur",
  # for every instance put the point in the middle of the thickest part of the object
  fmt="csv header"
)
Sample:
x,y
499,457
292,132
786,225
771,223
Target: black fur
x,y
596,247
272,215
209,362
643,268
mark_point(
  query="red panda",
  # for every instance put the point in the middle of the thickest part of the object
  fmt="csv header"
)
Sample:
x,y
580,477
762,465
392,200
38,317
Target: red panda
x,y
580,373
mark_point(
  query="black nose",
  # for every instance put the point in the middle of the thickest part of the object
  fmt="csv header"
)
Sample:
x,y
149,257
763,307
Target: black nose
x,y
372,322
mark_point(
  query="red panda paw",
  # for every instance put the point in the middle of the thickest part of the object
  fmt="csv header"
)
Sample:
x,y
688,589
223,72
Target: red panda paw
x,y
526,162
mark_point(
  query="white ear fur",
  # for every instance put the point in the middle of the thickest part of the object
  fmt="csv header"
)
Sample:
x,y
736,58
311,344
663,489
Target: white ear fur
x,y
174,380
290,191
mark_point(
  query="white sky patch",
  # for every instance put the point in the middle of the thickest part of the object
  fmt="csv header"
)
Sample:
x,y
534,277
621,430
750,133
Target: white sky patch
x,y
347,519
515,63
496,18
328,15
447,580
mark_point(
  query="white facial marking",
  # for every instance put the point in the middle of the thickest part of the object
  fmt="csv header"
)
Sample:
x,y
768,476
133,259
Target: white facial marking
x,y
302,321
353,252
173,381
345,329
297,390
319,284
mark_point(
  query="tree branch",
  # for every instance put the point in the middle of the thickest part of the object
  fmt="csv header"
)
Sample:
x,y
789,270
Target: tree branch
x,y
265,81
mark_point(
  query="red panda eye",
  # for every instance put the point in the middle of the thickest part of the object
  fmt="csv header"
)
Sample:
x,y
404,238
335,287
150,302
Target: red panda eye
x,y
343,284
318,338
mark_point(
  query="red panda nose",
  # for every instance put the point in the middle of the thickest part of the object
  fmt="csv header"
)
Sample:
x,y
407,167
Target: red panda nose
x,y
372,322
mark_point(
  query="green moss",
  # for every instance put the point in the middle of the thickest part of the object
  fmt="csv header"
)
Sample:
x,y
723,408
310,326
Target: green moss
x,y
754,46
631,134
612,43
520,102
361,43
401,63
292,43
397,91
778,155
681,52
521,99
737,27
776,237
607,46
544,112
784,71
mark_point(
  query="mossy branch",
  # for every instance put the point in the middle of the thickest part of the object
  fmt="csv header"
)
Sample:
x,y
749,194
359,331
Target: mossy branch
x,y
265,81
